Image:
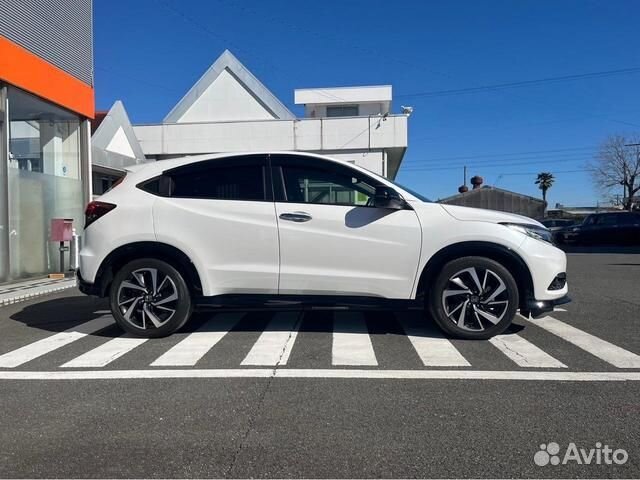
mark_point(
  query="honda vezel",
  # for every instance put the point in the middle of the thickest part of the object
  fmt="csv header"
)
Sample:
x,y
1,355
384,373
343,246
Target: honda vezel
x,y
290,229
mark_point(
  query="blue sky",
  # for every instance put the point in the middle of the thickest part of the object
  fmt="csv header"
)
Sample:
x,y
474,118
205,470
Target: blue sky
x,y
148,53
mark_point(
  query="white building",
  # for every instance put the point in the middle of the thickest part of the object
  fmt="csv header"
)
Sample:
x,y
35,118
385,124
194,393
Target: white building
x,y
230,110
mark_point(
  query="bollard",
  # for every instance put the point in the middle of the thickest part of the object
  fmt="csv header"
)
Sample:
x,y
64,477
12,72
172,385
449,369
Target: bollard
x,y
74,254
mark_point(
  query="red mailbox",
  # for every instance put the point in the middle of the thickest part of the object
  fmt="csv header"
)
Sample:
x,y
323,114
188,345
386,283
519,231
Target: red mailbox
x,y
61,229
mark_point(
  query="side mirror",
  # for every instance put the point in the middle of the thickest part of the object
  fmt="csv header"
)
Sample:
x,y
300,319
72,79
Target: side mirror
x,y
387,197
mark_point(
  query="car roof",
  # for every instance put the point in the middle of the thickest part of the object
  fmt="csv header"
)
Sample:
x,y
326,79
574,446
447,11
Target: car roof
x,y
141,172
158,166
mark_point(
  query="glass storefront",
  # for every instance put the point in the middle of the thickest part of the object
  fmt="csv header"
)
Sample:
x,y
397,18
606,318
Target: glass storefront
x,y
4,192
44,172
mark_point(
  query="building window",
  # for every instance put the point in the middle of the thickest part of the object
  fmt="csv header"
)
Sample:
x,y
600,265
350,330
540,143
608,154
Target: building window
x,y
342,111
44,161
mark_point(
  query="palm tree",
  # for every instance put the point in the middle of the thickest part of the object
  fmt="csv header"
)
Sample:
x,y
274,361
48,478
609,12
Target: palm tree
x,y
545,182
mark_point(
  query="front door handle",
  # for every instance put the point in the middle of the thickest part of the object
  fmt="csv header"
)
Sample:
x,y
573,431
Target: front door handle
x,y
297,217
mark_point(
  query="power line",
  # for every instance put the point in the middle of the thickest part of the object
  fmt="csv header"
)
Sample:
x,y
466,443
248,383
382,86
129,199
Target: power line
x,y
566,157
514,126
555,172
139,79
505,161
492,165
211,32
524,83
530,152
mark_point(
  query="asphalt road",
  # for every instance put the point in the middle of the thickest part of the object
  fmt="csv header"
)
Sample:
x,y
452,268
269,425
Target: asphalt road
x,y
322,394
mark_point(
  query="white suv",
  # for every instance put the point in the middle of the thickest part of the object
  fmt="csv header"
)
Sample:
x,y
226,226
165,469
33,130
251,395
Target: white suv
x,y
291,229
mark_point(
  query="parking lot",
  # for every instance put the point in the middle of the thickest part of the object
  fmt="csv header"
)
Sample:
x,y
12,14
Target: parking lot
x,y
321,393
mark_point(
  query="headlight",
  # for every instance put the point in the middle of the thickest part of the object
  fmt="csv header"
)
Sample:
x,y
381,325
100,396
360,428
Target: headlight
x,y
539,233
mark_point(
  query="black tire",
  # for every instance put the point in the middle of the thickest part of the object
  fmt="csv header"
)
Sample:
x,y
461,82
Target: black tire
x,y
481,312
123,303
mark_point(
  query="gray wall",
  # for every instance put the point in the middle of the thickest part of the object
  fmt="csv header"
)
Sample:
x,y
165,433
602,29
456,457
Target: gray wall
x,y
502,200
59,31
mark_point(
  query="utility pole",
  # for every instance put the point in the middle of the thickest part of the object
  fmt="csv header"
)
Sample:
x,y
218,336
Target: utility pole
x,y
624,182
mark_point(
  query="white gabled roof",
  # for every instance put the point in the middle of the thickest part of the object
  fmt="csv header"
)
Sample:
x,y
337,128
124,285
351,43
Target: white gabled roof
x,y
228,91
114,143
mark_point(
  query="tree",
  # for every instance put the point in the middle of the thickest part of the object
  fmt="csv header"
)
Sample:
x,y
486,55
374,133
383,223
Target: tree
x,y
545,182
616,164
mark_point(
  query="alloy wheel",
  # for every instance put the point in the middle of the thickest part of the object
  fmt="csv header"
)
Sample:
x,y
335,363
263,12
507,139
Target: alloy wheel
x,y
475,299
147,298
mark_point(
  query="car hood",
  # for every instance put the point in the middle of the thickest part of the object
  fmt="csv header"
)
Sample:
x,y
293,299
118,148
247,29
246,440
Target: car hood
x,y
482,215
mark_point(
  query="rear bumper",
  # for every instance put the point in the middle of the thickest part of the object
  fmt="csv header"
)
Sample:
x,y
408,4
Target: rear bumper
x,y
538,308
86,287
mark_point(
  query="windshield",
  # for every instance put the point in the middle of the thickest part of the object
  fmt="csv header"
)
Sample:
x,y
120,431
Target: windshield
x,y
412,192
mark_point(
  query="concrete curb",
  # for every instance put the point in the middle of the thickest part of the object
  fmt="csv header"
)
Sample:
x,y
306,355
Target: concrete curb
x,y
10,299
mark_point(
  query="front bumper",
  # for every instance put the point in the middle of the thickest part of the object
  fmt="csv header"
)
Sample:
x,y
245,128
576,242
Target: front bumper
x,y
537,308
545,262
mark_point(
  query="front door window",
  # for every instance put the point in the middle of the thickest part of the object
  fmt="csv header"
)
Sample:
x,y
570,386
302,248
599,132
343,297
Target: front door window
x,y
308,185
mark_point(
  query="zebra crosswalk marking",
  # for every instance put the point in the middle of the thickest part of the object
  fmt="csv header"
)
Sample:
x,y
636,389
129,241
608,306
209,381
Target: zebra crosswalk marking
x,y
29,352
433,348
351,344
524,353
275,344
610,353
196,345
351,340
106,353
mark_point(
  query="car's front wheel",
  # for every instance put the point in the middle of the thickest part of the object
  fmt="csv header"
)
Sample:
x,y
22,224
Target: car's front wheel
x,y
473,298
149,298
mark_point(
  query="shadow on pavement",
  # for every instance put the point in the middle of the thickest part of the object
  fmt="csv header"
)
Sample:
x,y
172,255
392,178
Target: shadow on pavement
x,y
59,314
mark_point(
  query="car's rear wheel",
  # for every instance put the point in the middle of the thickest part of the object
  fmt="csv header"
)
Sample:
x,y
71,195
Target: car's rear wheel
x,y
473,298
149,298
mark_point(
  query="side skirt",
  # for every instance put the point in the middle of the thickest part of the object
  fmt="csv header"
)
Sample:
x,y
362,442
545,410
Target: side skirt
x,y
304,302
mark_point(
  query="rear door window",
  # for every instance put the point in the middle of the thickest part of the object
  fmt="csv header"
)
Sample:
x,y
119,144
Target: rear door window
x,y
241,178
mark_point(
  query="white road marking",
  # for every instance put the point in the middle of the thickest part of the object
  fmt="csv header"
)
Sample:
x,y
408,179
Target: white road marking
x,y
106,353
524,353
559,309
275,344
610,353
190,350
523,375
38,348
351,340
433,348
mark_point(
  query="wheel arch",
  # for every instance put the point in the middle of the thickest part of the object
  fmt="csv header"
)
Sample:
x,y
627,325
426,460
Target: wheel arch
x,y
148,249
501,254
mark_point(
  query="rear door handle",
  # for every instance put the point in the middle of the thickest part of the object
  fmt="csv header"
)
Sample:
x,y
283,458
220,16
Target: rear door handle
x,y
297,217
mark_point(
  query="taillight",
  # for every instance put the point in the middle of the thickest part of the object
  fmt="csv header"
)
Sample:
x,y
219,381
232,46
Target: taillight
x,y
95,210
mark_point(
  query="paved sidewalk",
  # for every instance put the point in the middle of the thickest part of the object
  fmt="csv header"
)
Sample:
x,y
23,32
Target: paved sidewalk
x,y
20,291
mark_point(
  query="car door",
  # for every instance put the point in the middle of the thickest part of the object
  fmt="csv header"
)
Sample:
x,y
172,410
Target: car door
x,y
333,241
608,231
588,230
221,213
629,228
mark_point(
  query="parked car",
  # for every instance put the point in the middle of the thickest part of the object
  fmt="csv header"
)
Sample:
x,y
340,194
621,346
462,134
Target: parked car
x,y
289,229
556,224
612,228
